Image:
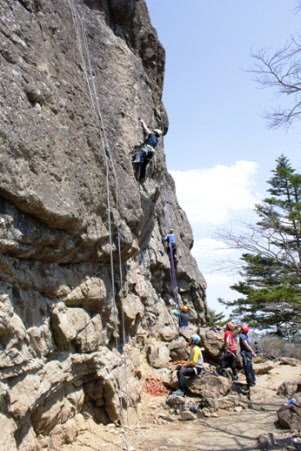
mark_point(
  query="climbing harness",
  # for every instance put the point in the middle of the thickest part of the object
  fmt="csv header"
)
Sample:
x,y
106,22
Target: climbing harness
x,y
144,159
81,37
173,277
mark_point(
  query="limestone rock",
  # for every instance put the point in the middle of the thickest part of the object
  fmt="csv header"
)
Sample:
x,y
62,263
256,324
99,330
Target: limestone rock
x,y
263,368
158,356
266,441
85,279
7,438
289,361
178,349
290,417
289,388
212,341
186,415
209,386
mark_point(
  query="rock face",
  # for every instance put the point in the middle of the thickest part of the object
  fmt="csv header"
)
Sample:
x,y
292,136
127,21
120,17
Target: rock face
x,y
84,275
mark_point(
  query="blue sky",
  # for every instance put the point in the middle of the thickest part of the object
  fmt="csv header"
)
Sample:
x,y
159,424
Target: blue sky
x,y
219,148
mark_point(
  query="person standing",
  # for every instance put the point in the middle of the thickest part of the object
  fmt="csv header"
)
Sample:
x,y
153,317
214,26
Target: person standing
x,y
193,367
146,153
228,358
247,353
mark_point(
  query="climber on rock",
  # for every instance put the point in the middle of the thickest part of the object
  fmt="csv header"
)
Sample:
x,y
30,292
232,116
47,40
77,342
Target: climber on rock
x,y
171,245
228,358
146,153
193,367
247,353
182,318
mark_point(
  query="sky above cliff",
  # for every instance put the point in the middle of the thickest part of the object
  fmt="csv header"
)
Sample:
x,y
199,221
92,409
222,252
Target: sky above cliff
x,y
218,147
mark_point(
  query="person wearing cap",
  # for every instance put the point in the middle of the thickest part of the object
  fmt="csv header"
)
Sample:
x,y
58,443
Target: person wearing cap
x,y
247,352
193,367
182,318
146,153
171,244
228,358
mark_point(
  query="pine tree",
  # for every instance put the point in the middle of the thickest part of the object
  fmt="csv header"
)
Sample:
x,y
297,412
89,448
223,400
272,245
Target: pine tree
x,y
271,285
214,318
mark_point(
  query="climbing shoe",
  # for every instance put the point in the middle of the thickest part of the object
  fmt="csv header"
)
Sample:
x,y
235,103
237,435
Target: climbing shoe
x,y
178,392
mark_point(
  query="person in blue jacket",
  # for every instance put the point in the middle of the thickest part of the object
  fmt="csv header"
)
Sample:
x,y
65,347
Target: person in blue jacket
x,y
146,153
247,352
171,244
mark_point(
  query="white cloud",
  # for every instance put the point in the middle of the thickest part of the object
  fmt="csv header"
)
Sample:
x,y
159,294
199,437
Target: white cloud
x,y
212,195
210,253
219,287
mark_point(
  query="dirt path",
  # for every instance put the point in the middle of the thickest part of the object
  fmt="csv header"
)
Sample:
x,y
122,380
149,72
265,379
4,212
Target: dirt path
x,y
223,431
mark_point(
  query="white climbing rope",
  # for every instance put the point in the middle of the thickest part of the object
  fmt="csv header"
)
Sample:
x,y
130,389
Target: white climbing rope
x,y
87,68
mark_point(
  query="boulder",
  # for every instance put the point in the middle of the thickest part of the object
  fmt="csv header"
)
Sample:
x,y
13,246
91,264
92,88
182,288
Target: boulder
x,y
266,441
289,361
263,368
186,415
158,355
209,386
168,333
289,388
290,417
178,349
213,341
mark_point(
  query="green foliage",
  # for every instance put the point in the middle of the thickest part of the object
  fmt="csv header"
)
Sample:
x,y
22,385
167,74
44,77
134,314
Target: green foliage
x,y
214,318
271,287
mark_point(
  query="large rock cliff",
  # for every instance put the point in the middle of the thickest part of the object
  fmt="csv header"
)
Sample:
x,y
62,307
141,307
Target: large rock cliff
x,y
85,279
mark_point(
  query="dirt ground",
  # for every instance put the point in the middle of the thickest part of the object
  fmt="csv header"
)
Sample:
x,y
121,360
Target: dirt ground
x,y
159,429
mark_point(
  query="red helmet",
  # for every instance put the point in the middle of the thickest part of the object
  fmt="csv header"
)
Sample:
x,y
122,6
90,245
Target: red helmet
x,y
230,326
244,328
184,308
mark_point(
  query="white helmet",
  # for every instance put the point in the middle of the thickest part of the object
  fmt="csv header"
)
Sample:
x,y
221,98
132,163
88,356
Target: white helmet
x,y
158,132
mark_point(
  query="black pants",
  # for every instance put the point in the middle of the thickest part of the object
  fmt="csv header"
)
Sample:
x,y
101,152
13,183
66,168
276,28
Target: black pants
x,y
248,367
143,157
182,372
228,360
173,247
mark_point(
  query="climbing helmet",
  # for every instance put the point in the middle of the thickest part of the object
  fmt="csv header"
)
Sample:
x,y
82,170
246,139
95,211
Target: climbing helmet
x,y
195,338
184,308
244,328
230,326
158,132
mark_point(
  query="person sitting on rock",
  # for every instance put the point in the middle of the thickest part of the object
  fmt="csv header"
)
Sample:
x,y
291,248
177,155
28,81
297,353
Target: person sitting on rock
x,y
171,245
146,153
193,367
182,318
247,352
228,358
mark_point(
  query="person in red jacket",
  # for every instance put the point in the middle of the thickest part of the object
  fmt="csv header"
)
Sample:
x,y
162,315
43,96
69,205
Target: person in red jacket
x,y
228,358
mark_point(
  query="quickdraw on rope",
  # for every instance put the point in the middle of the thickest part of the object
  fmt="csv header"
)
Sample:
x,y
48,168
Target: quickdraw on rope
x,y
87,68
173,277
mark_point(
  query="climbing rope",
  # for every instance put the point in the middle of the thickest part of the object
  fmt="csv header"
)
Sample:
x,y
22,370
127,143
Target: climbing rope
x,y
81,37
164,190
173,276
